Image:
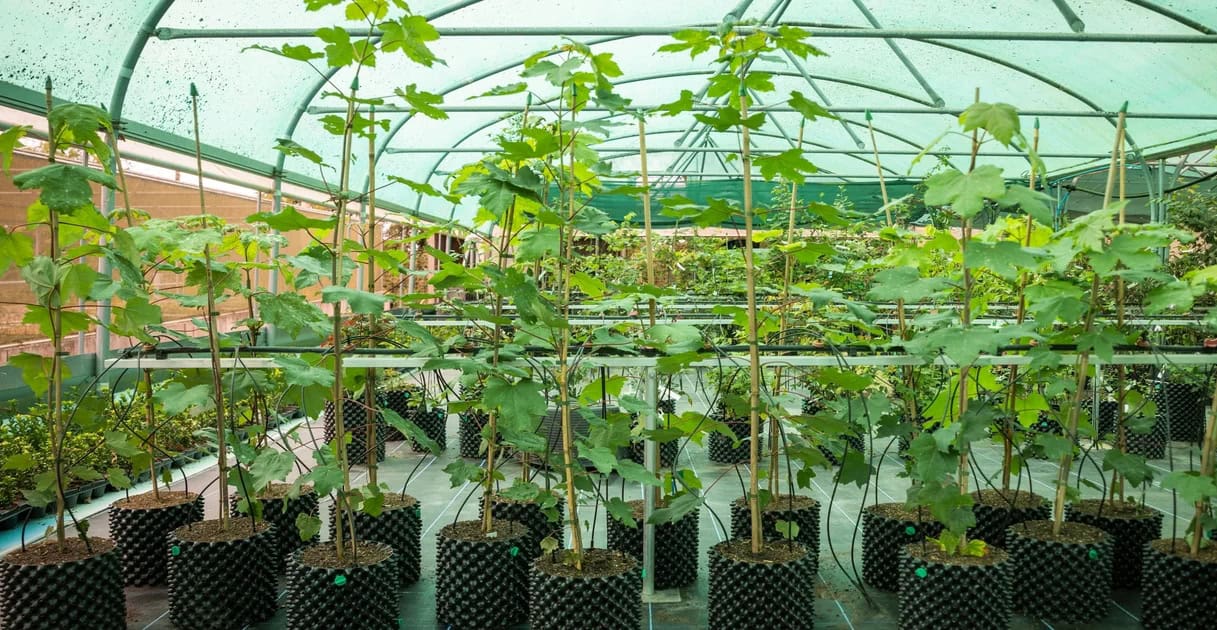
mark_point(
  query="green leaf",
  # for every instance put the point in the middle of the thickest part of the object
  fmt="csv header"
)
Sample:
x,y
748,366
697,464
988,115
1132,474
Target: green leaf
x,y
426,190
35,371
461,472
20,461
307,526
292,314
64,187
135,316
302,373
288,219
117,478
1007,259
539,244
298,53
676,509
788,529
359,301
176,398
906,283
1132,467
521,401
680,105
10,139
622,511
635,472
270,465
602,458
594,221
423,102
410,35
1191,485
999,119
1033,202
339,51
965,194
790,165
1174,296
295,149
16,249
674,339
503,90
810,109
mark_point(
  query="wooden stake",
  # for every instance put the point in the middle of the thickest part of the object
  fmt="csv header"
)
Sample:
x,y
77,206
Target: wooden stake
x,y
787,276
754,358
646,212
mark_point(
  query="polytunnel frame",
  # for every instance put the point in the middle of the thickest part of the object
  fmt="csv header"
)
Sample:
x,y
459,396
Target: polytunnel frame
x,y
149,28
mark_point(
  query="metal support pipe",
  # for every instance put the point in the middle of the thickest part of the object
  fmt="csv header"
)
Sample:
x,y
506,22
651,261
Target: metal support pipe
x,y
912,111
489,149
819,32
904,60
824,100
1075,23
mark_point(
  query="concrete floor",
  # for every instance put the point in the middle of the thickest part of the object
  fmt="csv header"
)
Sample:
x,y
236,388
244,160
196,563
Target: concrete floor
x,y
840,603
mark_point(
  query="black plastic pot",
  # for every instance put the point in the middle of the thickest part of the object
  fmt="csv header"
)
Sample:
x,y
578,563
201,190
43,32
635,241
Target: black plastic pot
x,y
762,593
85,593
1178,591
945,592
434,423
355,420
995,511
801,510
722,449
469,430
140,533
351,598
481,582
1183,404
886,529
1059,580
530,515
1151,445
404,400
595,599
675,546
221,584
1107,418
1131,526
282,512
400,525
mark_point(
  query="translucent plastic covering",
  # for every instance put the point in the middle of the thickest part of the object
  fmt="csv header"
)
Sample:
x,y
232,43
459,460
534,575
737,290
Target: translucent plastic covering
x,y
138,57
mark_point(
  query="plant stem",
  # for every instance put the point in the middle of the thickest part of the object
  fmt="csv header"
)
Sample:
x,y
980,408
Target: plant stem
x,y
787,277
1071,430
371,439
149,410
564,252
55,311
1117,480
340,205
213,334
754,355
1007,461
1206,472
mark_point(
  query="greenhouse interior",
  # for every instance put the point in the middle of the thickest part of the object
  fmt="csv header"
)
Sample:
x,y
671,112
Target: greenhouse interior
x,y
563,314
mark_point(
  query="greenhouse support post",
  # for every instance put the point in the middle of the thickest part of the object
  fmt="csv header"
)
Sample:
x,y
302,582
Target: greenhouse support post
x,y
276,204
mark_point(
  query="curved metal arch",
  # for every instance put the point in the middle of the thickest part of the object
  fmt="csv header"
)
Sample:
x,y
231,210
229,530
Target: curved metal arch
x,y
1173,15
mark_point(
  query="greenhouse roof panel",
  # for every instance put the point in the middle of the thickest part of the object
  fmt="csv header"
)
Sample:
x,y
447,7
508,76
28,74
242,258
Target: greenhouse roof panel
x,y
249,99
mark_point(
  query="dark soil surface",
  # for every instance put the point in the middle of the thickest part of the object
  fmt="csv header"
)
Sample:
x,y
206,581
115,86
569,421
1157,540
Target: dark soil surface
x,y
1208,554
1017,499
148,501
394,501
772,552
472,531
50,552
782,502
1113,509
280,490
324,556
897,512
1072,533
596,563
213,531
931,553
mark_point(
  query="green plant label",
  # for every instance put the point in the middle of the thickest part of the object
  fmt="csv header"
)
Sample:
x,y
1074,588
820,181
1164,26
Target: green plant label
x,y
644,573
175,550
515,551
1093,554
910,530
340,580
921,572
